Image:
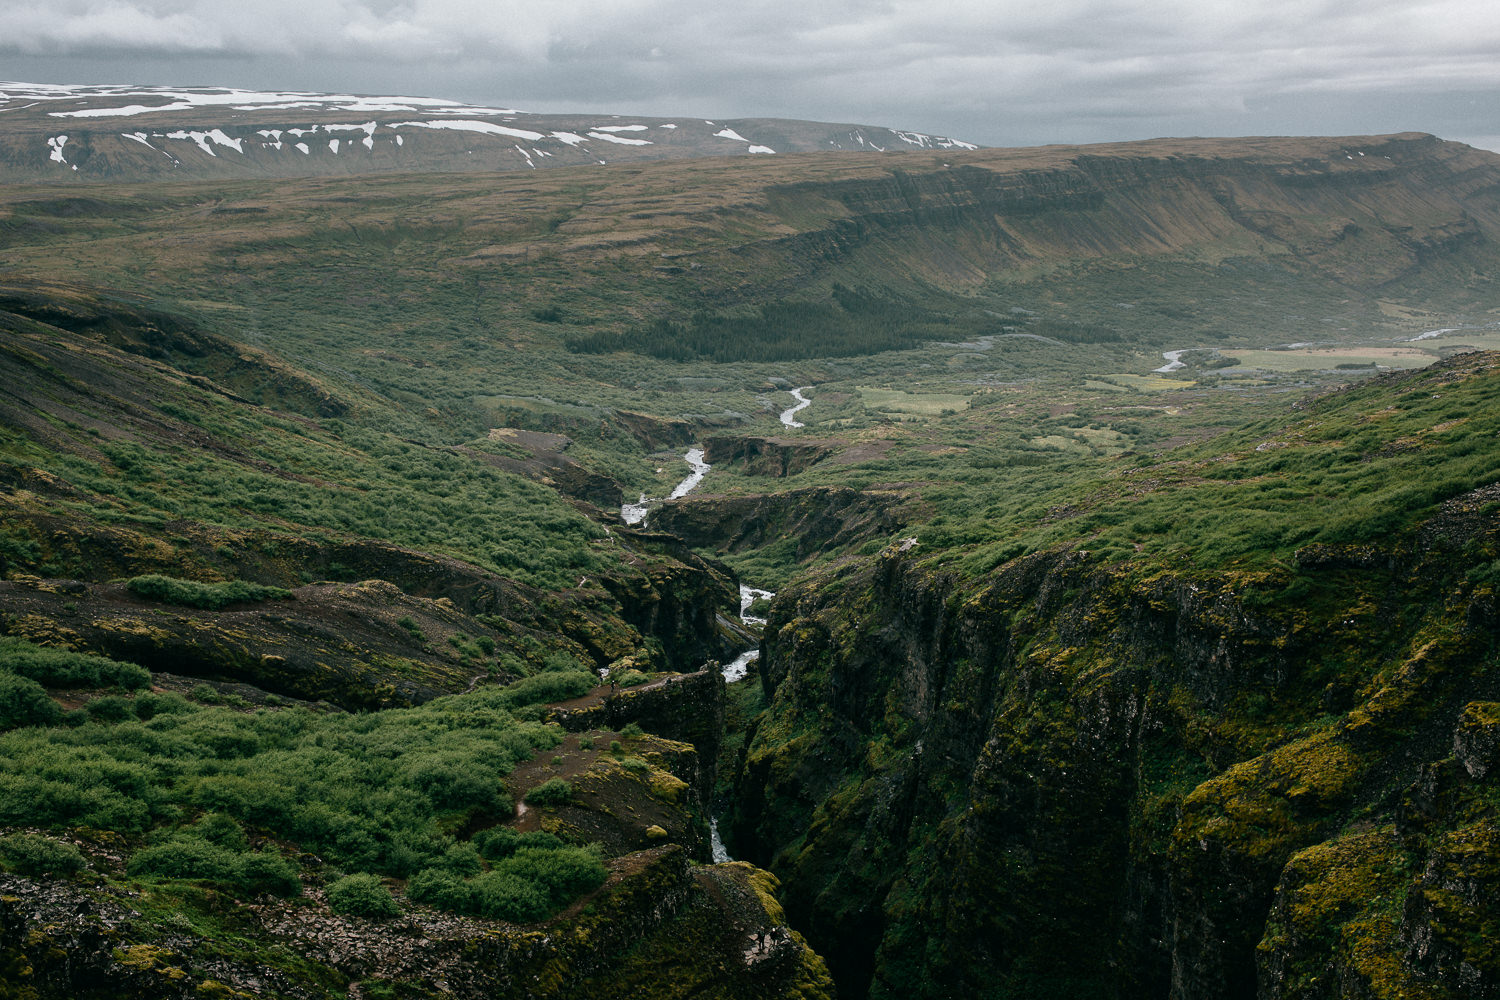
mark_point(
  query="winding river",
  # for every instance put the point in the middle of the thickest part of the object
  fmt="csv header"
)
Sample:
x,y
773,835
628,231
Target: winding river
x,y
635,513
789,417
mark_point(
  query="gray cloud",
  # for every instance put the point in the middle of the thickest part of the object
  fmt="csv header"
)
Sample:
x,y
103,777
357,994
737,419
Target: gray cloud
x,y
1010,72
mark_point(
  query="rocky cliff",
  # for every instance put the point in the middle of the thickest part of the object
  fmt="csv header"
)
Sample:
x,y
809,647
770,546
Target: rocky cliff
x,y
1066,778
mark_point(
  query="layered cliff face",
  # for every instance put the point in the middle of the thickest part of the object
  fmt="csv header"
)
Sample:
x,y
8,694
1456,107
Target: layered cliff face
x,y
1078,777
1358,212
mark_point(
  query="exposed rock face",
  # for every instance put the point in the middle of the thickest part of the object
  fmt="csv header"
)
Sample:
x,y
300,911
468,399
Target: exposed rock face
x,y
549,466
676,599
766,456
687,707
63,940
656,433
1059,781
1319,205
819,518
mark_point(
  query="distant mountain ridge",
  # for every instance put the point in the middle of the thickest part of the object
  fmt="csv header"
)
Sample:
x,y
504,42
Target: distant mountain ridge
x,y
121,133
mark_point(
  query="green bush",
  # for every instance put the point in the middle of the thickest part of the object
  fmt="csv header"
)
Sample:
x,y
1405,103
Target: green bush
x,y
210,596
561,663
632,730
564,872
502,895
552,792
111,708
631,678
548,687
463,859
61,668
540,839
31,854
24,703
362,895
497,842
259,874
443,889
221,830
185,857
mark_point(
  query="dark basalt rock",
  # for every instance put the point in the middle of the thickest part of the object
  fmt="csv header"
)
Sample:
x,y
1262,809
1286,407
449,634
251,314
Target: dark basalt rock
x,y
1059,780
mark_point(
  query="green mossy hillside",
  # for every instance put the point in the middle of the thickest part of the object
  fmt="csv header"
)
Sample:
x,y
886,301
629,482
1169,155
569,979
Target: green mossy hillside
x,y
1084,773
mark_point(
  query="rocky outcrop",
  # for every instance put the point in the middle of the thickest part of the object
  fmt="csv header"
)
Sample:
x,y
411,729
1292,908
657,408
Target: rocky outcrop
x,y
674,598
820,519
61,939
762,456
1060,780
545,463
684,707
656,433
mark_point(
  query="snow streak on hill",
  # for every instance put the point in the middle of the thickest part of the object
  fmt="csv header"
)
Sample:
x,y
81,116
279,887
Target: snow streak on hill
x,y
121,132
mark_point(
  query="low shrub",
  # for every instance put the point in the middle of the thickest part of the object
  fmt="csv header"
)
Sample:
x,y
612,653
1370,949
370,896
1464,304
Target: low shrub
x,y
184,857
31,854
362,895
502,895
442,889
209,596
497,842
61,668
23,702
111,708
549,687
263,873
190,854
552,792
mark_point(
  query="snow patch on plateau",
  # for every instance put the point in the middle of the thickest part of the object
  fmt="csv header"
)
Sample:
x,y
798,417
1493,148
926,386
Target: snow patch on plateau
x,y
607,137
760,149
483,128
216,136
729,133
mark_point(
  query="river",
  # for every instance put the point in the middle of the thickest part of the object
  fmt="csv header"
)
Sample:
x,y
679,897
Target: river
x,y
635,513
789,417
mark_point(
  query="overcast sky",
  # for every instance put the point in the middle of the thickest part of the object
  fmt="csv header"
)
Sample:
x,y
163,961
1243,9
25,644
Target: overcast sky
x,y
998,73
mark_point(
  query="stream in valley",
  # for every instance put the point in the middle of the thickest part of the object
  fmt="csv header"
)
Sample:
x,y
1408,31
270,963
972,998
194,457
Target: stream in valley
x,y
737,669
635,513
789,416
